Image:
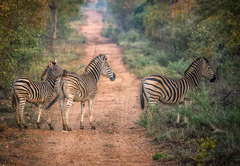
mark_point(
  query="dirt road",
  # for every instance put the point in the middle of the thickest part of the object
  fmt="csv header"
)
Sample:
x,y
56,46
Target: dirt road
x,y
117,140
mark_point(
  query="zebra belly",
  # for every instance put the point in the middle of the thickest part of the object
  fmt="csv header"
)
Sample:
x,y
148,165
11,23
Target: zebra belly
x,y
171,100
36,101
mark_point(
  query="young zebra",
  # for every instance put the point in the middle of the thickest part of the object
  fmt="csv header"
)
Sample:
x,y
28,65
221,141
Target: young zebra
x,y
81,88
24,89
155,88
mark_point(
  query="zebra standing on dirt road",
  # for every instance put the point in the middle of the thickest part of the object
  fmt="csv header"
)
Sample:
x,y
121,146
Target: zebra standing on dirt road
x,y
24,89
155,88
81,88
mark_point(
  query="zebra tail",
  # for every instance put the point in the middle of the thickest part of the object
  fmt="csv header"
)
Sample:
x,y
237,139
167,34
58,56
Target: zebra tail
x,y
141,96
13,99
58,94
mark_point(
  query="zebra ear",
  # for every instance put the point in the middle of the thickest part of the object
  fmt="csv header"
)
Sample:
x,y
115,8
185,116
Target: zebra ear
x,y
50,64
104,58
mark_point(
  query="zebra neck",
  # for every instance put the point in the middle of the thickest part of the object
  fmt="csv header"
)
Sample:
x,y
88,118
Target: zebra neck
x,y
94,73
49,79
193,79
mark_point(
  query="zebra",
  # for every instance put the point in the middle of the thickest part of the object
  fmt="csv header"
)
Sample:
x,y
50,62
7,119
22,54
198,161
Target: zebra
x,y
82,88
155,88
24,89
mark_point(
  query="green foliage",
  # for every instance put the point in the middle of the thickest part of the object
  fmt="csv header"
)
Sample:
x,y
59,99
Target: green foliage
x,y
229,70
227,13
203,40
157,156
67,11
176,69
24,32
101,4
21,27
163,157
204,150
122,11
155,18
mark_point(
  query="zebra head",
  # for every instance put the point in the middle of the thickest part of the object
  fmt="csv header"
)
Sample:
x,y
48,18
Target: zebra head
x,y
106,69
56,71
207,71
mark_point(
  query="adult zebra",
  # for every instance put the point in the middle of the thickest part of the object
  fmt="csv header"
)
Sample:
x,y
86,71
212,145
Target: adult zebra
x,y
24,89
82,88
155,88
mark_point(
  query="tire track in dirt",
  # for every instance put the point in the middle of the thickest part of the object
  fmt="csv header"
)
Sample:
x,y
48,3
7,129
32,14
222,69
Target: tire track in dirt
x,y
117,140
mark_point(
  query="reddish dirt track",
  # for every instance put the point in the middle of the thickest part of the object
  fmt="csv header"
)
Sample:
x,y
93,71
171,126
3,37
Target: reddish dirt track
x,y
117,140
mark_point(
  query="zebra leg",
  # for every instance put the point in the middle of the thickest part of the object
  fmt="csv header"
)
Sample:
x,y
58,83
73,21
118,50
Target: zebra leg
x,y
68,105
90,103
61,102
47,102
148,110
17,112
188,104
17,116
82,114
21,108
49,119
178,117
39,114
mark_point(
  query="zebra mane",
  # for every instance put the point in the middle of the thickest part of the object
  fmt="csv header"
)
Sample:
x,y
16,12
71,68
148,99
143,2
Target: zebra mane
x,y
100,56
44,73
194,62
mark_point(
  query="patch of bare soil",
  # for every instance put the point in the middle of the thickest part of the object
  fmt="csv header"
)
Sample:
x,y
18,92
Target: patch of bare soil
x,y
117,140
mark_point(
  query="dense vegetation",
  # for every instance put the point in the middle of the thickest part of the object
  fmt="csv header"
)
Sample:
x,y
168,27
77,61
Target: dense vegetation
x,y
25,36
164,37
26,45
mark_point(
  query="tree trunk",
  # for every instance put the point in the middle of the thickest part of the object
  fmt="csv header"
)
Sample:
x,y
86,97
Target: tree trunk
x,y
172,4
189,8
53,8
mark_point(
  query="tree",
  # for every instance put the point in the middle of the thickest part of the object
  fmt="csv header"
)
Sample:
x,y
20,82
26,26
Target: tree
x,y
227,12
53,8
21,25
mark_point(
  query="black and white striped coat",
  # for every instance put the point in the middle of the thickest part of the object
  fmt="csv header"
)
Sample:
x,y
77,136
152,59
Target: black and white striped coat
x,y
155,88
82,88
25,90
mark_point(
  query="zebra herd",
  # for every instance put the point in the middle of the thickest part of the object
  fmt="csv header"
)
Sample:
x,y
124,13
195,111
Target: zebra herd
x,y
82,88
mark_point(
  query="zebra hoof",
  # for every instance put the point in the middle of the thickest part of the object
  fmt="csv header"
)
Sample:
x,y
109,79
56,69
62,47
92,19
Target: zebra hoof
x,y
38,126
51,127
68,128
19,126
185,125
93,127
81,127
178,125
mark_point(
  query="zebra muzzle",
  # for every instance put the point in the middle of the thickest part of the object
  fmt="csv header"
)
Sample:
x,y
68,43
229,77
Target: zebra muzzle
x,y
213,79
113,77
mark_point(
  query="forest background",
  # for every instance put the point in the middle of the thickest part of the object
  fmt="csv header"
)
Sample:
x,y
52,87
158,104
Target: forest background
x,y
157,37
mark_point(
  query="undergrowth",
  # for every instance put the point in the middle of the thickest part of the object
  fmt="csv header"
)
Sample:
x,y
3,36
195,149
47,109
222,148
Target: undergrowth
x,y
197,143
